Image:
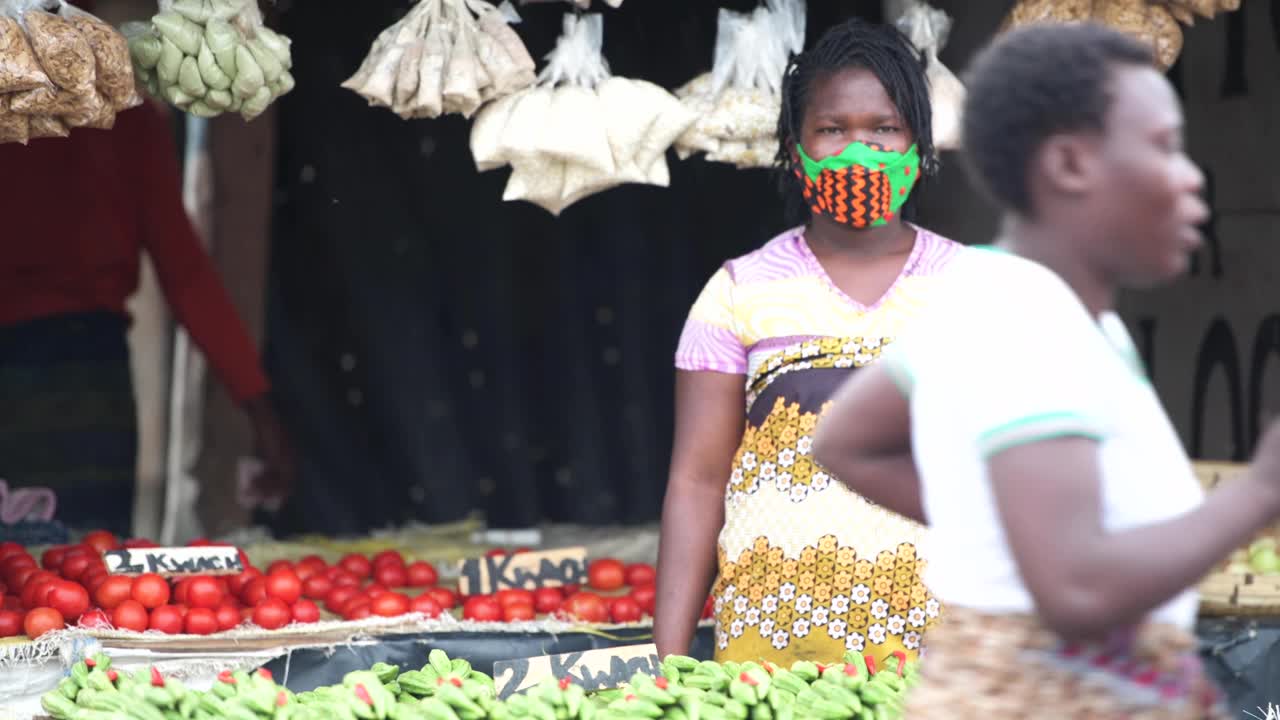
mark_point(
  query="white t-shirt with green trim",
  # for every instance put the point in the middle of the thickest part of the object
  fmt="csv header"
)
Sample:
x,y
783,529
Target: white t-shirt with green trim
x,y
1007,355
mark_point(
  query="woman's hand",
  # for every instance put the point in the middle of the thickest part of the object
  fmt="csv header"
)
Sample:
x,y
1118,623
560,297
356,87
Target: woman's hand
x,y
271,444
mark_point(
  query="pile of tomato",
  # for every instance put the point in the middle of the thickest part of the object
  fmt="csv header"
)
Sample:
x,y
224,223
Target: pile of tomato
x,y
71,586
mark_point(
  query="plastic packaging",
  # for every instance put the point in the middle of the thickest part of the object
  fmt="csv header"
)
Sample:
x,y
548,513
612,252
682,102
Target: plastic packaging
x,y
927,28
737,103
580,130
207,57
60,68
443,57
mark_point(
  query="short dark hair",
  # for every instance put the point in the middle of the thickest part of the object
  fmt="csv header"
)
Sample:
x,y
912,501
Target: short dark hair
x,y
856,43
1032,83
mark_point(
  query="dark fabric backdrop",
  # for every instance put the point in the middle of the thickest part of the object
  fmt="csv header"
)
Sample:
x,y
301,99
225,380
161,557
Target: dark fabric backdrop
x,y
437,351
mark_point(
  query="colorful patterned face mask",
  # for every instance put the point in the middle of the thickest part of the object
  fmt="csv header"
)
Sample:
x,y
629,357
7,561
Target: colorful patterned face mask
x,y
862,187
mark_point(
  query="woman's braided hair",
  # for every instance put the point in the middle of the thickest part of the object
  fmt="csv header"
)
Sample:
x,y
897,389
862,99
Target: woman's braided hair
x,y
856,43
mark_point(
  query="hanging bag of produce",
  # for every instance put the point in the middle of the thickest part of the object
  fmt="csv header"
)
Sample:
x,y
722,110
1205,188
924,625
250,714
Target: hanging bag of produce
x,y
443,57
927,29
581,130
738,102
60,68
208,57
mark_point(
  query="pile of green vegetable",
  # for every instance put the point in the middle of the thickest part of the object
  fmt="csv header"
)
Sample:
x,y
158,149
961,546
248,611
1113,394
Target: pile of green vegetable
x,y
449,689
208,57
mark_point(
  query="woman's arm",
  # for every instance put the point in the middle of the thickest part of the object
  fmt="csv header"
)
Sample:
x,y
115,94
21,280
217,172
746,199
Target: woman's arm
x,y
864,439
1085,580
710,415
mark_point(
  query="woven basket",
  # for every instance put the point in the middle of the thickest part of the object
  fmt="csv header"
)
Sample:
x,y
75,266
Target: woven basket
x,y
1223,593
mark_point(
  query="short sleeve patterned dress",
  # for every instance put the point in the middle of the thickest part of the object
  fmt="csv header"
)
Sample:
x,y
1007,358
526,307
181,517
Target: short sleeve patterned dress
x,y
807,569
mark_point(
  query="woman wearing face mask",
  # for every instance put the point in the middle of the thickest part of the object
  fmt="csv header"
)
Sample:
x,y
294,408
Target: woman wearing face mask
x,y
806,569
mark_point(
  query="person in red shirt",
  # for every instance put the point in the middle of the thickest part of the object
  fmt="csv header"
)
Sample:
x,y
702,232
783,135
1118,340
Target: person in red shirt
x,y
77,213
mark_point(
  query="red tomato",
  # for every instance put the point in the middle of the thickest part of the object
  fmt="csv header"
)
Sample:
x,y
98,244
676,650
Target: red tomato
x,y
93,579
374,590
70,599
10,548
181,589
255,592
342,578
15,561
338,597
624,610
357,565
483,608
391,575
130,615
10,623
444,597
606,574
166,619
313,563
385,557
95,619
709,608
198,542
518,611
238,581
547,599
37,589
646,597
52,558
113,591
19,578
305,611
316,587
357,610
641,574
204,592
272,614
586,607
201,621
426,604
150,590
283,584
512,596
496,552
101,541
76,563
422,574
521,551
40,621
280,565
570,590
228,616
390,604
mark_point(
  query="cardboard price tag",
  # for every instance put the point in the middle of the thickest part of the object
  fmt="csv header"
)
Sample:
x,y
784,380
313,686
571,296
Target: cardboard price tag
x,y
602,669
551,568
204,560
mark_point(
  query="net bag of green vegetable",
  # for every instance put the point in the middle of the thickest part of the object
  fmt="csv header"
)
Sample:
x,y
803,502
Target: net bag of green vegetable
x,y
208,57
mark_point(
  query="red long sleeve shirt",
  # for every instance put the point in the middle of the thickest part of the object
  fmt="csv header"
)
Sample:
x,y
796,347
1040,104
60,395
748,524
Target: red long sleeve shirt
x,y
77,213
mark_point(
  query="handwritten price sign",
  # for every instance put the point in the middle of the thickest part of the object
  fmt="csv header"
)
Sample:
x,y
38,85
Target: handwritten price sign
x,y
593,669
205,560
552,568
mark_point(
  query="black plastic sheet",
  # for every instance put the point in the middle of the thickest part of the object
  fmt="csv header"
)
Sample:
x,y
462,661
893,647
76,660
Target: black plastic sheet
x,y
1243,656
308,668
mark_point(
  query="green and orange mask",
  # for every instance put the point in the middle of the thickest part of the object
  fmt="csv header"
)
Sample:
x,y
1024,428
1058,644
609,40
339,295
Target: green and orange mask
x,y
864,186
